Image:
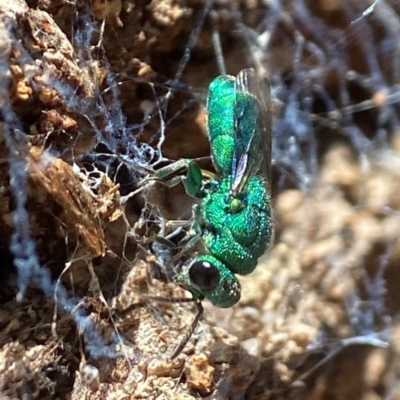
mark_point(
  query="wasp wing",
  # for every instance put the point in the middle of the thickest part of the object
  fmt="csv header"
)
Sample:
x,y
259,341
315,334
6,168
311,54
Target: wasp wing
x,y
252,130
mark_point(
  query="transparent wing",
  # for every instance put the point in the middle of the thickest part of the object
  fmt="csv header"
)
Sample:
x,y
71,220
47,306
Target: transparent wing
x,y
253,129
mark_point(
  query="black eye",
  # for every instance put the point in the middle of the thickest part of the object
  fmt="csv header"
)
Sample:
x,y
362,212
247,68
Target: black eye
x,y
204,275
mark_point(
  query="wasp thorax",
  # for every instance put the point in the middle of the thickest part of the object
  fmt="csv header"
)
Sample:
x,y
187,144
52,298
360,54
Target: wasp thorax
x,y
204,275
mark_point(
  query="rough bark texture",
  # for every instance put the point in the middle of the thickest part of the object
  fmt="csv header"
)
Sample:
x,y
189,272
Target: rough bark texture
x,y
283,340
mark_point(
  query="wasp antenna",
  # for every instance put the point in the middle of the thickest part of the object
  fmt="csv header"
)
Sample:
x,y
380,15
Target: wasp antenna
x,y
161,299
193,327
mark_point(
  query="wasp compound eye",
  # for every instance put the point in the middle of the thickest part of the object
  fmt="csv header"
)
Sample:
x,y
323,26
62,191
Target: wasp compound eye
x,y
204,275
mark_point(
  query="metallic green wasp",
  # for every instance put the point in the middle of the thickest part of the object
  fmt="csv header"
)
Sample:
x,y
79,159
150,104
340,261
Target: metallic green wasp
x,y
233,220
